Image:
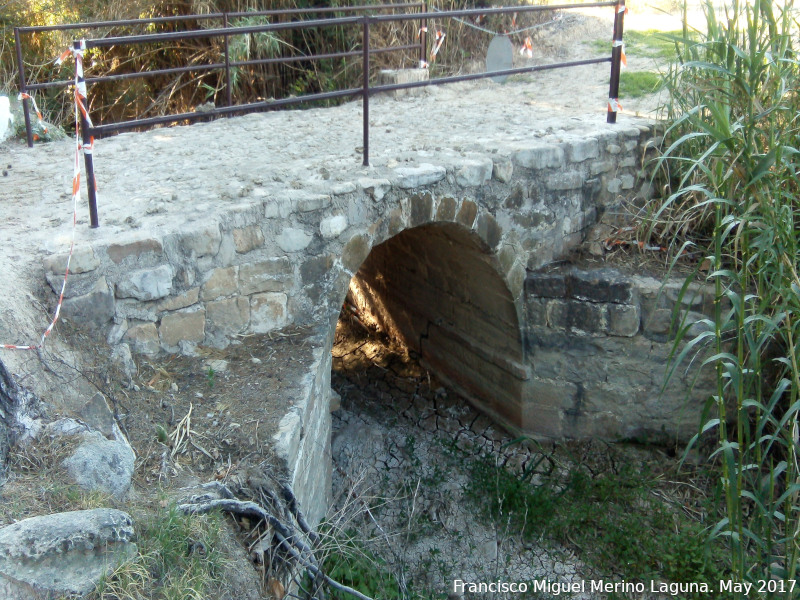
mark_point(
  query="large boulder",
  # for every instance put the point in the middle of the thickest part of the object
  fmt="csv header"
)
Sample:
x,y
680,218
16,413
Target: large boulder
x,y
101,464
62,554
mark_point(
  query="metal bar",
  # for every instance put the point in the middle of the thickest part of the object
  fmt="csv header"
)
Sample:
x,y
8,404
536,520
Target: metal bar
x,y
472,76
423,35
206,17
23,89
88,161
227,63
238,63
365,96
474,12
124,76
616,60
204,33
103,130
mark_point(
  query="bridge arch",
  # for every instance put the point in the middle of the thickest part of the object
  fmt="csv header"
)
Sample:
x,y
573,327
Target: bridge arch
x,y
439,285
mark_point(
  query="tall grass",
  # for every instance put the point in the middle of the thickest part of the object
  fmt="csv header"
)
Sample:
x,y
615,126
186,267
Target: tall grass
x,y
731,160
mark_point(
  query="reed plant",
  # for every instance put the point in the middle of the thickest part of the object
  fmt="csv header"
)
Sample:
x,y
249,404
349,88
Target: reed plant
x,y
731,162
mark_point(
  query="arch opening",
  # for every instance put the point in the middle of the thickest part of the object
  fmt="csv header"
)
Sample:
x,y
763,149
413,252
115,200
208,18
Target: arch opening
x,y
436,290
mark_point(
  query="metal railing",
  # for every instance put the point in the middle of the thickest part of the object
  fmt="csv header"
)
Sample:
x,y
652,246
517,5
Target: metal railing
x,y
365,21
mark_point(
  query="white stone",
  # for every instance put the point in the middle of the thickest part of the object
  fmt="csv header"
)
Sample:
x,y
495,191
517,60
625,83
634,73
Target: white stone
x,y
330,227
83,260
293,240
377,188
268,311
63,554
414,177
102,464
6,119
539,157
474,172
147,284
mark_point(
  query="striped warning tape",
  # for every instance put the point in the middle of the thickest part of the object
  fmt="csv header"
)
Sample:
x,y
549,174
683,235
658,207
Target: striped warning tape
x,y
80,91
24,96
440,35
622,57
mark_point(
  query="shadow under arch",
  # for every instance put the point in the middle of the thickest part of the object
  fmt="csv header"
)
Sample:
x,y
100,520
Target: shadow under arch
x,y
437,287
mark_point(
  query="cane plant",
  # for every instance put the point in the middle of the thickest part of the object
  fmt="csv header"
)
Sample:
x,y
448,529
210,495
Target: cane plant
x,y
731,161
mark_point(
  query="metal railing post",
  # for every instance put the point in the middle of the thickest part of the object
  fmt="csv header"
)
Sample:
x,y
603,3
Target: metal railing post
x,y
365,91
23,89
86,137
227,62
423,34
616,60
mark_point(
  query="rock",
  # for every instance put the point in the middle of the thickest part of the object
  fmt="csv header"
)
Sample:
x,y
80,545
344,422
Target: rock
x,y
293,240
121,355
99,464
221,282
147,284
97,414
271,275
474,172
540,157
377,188
144,338
83,261
64,553
6,120
502,170
246,239
331,227
268,311
94,309
189,325
414,177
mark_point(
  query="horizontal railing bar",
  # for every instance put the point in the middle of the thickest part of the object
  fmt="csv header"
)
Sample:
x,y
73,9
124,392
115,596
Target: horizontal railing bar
x,y
102,130
242,63
474,12
218,32
209,16
472,76
288,59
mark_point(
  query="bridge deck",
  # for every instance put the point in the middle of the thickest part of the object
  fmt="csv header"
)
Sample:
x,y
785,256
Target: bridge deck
x,y
160,179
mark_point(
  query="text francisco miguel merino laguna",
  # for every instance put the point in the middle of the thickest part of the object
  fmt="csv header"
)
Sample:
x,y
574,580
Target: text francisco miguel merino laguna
x,y
554,588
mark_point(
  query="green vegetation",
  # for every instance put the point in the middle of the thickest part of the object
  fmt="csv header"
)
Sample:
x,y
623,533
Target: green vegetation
x,y
354,566
659,45
613,516
730,166
179,559
635,84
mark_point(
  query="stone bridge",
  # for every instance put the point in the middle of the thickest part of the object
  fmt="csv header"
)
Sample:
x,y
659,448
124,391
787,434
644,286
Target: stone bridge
x,y
247,225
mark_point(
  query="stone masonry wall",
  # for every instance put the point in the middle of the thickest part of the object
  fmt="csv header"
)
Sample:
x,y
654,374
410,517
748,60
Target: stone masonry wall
x,y
275,252
599,344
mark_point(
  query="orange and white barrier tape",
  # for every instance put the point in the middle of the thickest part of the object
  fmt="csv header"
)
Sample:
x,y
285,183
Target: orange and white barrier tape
x,y
421,31
621,45
24,96
614,105
513,19
440,35
80,91
527,48
621,8
423,64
